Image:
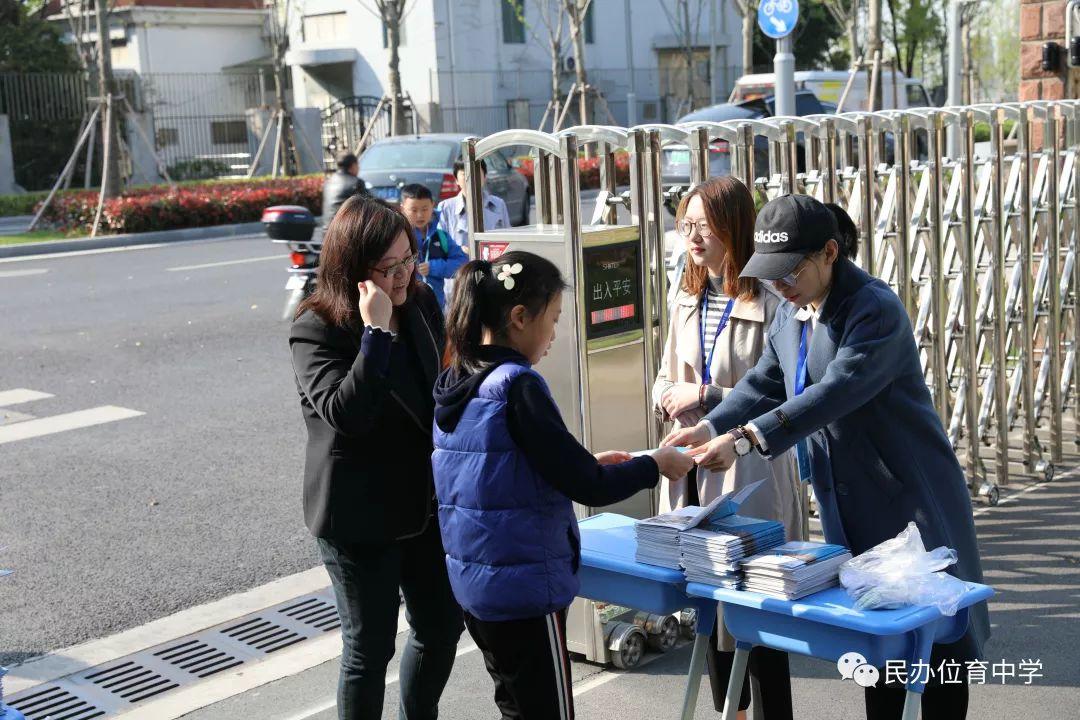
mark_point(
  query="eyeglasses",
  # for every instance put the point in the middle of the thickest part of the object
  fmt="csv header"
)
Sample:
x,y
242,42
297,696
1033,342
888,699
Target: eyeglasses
x,y
791,278
686,228
398,269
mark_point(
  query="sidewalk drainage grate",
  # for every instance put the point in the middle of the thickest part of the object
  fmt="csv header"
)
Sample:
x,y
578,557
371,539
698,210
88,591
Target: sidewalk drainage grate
x,y
115,687
314,612
54,703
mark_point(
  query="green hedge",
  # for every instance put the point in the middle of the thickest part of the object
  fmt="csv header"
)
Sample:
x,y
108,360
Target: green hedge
x,y
11,205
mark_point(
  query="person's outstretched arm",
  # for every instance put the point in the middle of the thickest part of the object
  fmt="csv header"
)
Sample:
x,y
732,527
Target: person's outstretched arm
x,y
537,428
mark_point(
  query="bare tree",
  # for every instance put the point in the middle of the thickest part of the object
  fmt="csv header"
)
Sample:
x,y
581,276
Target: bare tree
x,y
78,14
846,14
687,34
110,183
575,11
391,13
278,21
748,12
552,15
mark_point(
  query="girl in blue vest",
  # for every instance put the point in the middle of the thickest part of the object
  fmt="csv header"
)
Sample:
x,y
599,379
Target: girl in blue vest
x,y
507,472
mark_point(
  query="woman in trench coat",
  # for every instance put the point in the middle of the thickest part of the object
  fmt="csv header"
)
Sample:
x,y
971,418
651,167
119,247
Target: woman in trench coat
x,y
717,333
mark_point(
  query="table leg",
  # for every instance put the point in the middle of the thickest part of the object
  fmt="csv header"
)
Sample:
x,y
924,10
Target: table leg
x,y
912,702
735,681
693,680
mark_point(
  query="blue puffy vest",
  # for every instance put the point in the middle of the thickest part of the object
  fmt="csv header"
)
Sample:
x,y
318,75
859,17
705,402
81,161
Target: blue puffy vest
x,y
511,539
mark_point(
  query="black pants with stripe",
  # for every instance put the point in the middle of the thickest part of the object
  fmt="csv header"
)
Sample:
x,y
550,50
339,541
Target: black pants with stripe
x,y
528,661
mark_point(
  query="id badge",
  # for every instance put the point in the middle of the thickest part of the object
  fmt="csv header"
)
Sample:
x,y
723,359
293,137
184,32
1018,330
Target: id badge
x,y
802,454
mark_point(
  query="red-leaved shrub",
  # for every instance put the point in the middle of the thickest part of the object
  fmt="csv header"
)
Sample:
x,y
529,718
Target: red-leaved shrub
x,y
157,207
588,170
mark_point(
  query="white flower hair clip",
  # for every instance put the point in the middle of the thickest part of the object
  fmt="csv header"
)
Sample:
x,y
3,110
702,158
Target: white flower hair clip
x,y
506,275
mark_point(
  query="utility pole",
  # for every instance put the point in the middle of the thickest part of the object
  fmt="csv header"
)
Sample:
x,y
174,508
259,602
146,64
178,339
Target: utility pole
x,y
631,95
106,90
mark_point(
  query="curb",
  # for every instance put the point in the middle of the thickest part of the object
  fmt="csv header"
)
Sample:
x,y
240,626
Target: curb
x,y
115,241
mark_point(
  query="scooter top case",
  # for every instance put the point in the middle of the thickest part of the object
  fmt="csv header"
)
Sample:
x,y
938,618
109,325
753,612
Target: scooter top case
x,y
289,222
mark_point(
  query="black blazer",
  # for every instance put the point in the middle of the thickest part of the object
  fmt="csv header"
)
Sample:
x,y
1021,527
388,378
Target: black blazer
x,y
367,473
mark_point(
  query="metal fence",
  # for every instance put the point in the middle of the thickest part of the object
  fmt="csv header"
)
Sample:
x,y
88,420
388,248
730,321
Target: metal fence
x,y
43,96
482,102
197,121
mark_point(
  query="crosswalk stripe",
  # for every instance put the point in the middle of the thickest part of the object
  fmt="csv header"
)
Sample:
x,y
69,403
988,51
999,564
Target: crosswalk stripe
x,y
224,263
61,423
20,395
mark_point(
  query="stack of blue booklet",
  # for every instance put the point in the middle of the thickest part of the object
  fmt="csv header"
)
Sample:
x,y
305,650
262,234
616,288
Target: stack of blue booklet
x,y
712,553
707,541
795,569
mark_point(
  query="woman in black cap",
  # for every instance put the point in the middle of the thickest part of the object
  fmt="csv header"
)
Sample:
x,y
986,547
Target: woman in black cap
x,y
840,380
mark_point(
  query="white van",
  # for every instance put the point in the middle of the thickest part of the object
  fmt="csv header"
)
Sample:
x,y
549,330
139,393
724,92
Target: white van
x,y
828,86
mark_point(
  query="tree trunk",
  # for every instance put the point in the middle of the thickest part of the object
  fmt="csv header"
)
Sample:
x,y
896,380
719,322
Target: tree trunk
x,y
873,54
106,86
577,21
393,38
286,147
852,27
689,55
748,41
556,59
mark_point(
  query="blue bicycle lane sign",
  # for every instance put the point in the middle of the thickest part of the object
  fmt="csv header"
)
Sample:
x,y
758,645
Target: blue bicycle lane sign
x,y
777,18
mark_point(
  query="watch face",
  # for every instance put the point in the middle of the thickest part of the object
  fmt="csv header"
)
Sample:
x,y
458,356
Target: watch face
x,y
742,446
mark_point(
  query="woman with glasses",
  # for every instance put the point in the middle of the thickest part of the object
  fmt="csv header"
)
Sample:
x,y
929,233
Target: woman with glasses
x,y
718,326
840,381
366,349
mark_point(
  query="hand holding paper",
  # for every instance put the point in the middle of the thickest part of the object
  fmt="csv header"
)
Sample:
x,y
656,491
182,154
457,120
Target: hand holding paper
x,y
613,457
717,454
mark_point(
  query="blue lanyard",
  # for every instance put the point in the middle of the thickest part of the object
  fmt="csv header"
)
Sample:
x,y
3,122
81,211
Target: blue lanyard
x,y
800,367
424,241
802,448
706,368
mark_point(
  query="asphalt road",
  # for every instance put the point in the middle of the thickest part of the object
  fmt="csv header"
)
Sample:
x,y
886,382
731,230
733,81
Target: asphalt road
x,y
110,526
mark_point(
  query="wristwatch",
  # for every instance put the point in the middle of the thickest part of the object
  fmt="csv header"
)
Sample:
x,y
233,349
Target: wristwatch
x,y
743,446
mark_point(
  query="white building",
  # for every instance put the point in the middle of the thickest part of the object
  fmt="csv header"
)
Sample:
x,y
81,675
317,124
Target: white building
x,y
464,63
193,70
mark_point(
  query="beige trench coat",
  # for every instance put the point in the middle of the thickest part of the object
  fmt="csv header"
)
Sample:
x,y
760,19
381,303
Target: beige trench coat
x,y
737,350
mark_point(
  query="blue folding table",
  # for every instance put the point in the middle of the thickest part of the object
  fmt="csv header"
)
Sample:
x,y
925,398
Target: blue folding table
x,y
823,625
609,573
826,626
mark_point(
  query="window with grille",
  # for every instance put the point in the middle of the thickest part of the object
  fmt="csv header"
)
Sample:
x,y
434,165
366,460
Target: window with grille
x,y
228,132
513,21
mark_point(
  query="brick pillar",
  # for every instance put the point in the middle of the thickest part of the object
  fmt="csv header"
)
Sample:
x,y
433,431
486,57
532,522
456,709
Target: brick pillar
x,y
1042,22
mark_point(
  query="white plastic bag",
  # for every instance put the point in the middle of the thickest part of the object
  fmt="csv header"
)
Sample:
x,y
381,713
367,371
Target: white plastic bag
x,y
901,572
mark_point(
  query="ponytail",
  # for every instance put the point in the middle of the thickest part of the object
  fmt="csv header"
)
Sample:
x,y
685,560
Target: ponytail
x,y
847,235
486,292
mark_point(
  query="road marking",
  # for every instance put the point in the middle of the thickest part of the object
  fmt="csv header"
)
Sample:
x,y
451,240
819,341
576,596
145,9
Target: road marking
x,y
390,680
1013,496
62,423
77,253
21,395
22,273
226,262
605,676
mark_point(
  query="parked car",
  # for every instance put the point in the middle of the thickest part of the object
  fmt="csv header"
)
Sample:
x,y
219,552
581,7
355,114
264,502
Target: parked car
x,y
675,160
394,162
897,90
